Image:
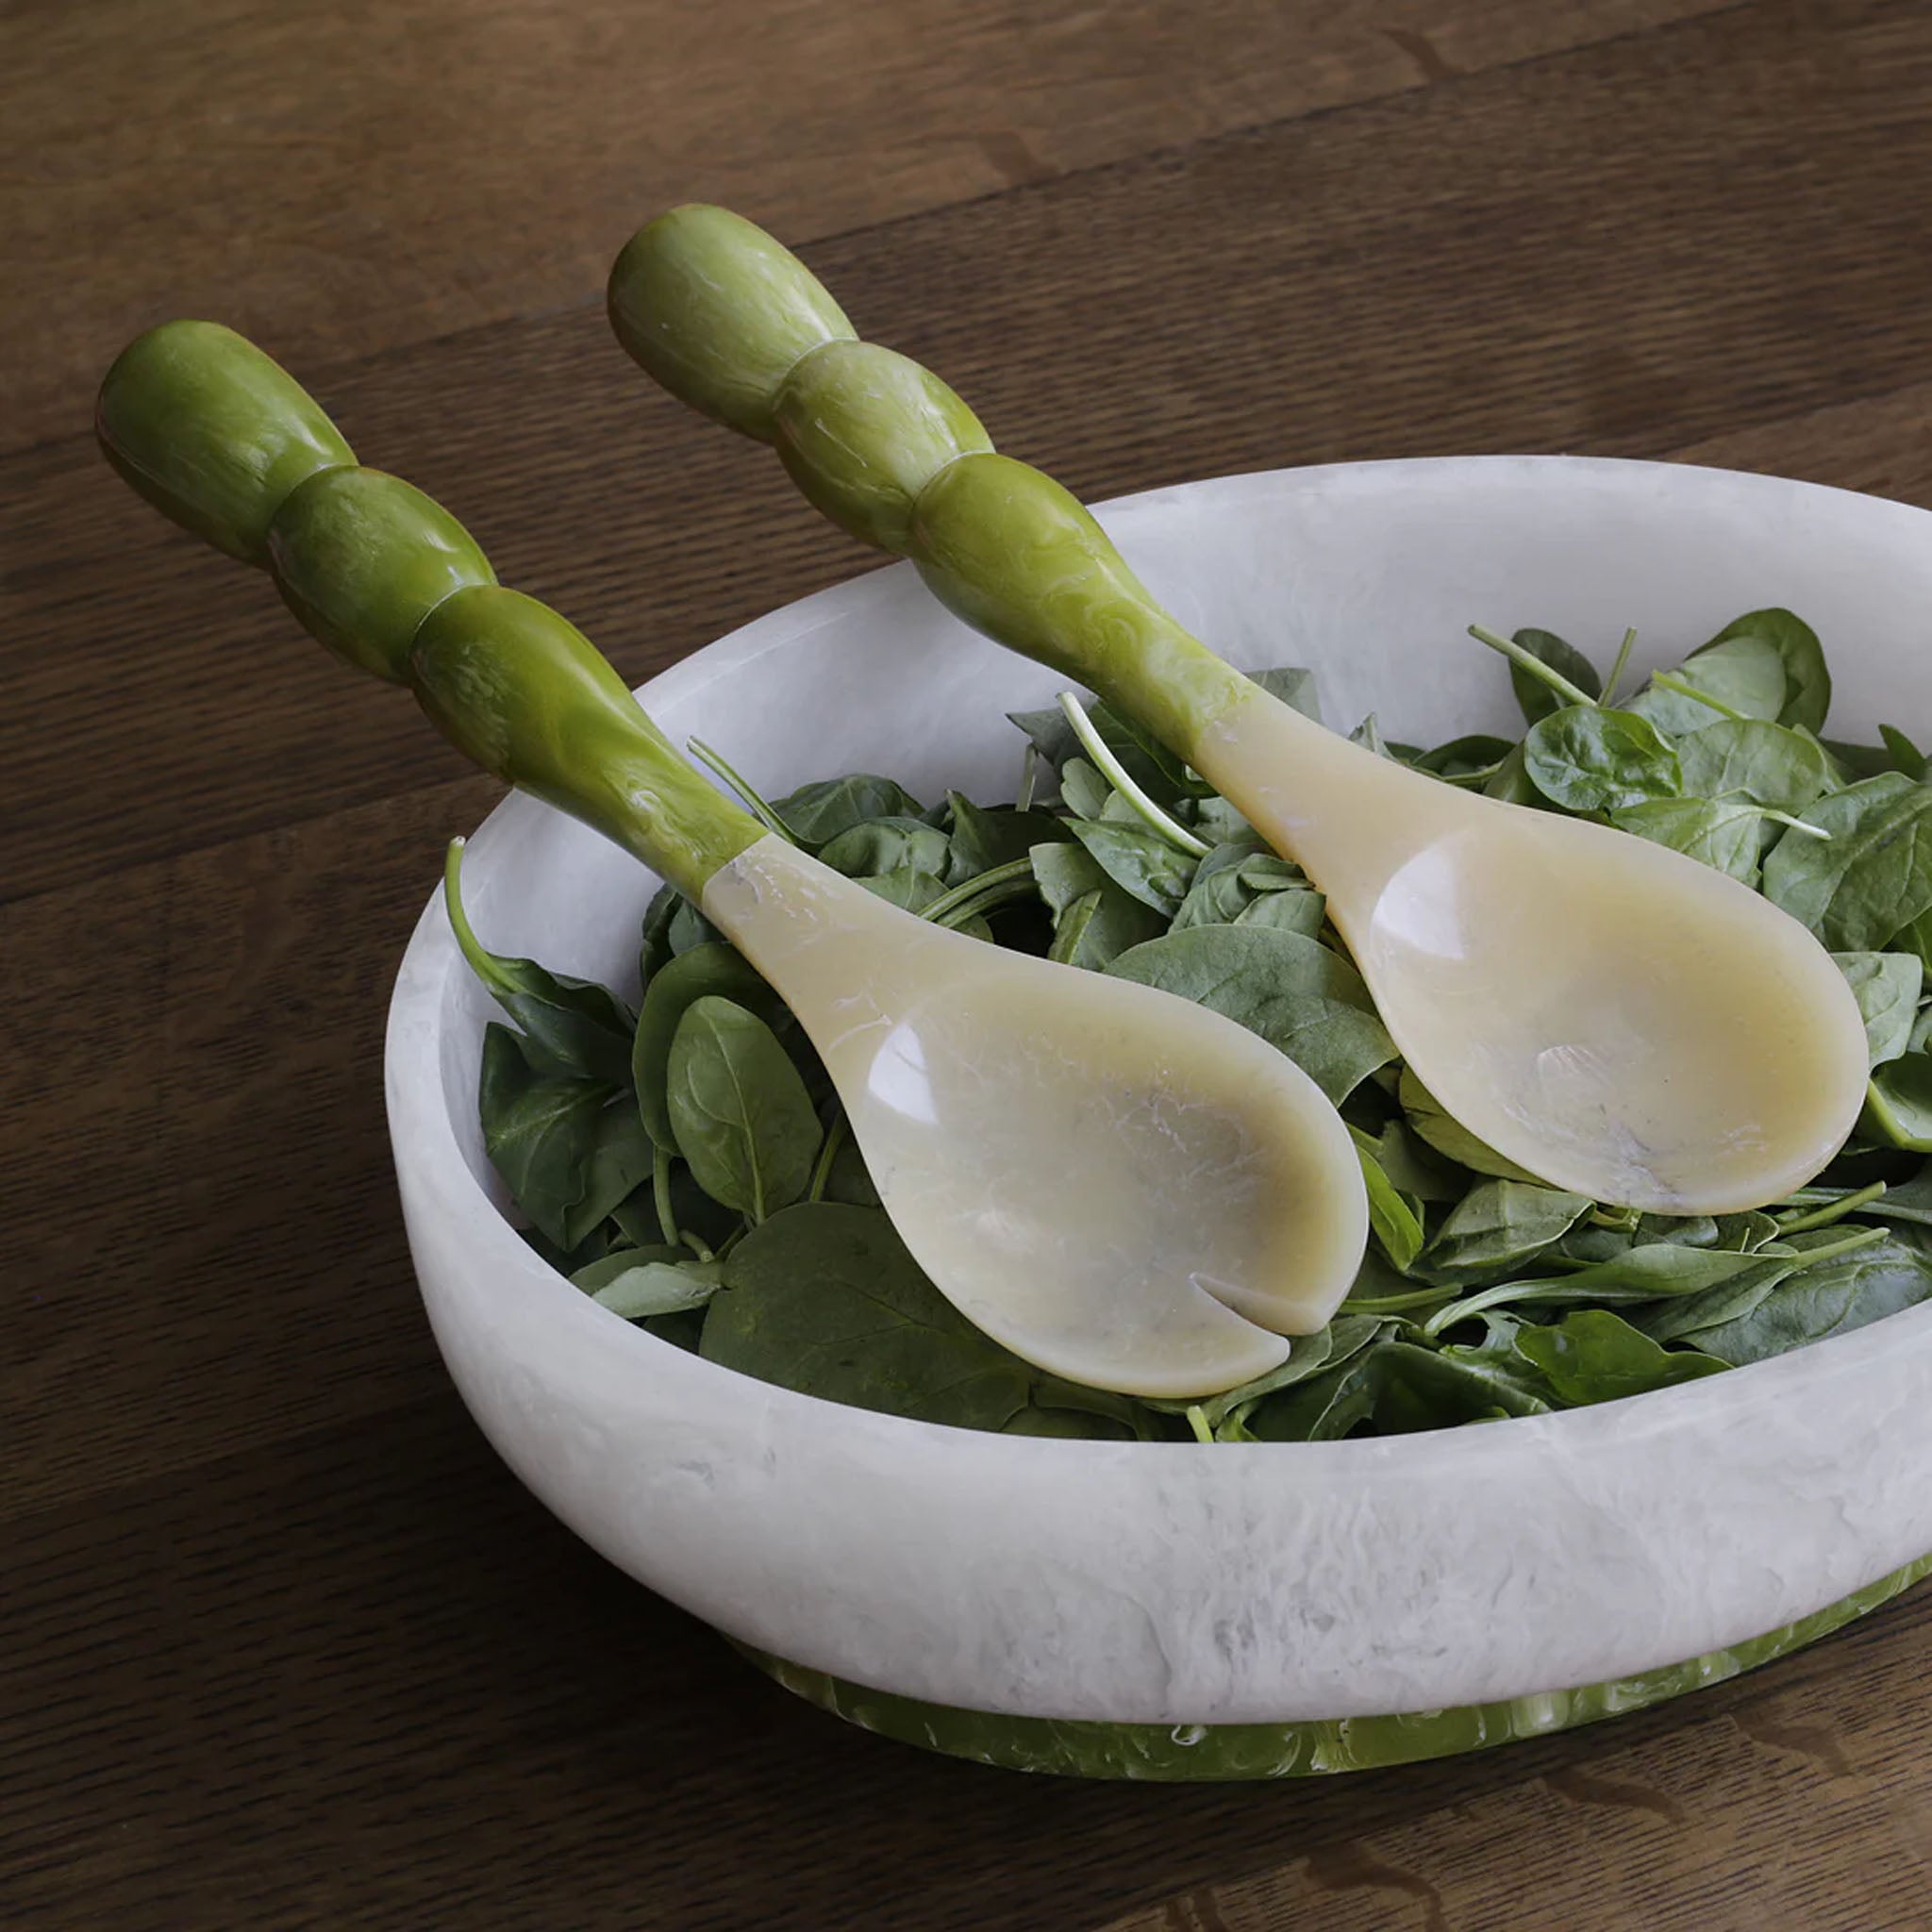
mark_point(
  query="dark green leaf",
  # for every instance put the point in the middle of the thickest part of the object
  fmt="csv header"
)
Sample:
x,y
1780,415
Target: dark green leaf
x,y
1301,910
1594,1356
818,813
654,945
716,969
617,1162
1462,757
1746,674
1750,757
1437,1389
1587,759
1832,1298
539,1129
985,836
1434,1127
888,844
825,1300
1086,791
1722,833
1536,698
1898,1103
1872,877
575,1025
911,890
1139,861
1296,995
1394,1222
1887,986
689,928
1807,683
1500,1225
1905,756
740,1110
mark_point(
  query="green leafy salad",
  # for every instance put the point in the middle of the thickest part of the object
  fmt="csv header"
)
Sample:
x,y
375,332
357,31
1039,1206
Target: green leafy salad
x,y
687,1166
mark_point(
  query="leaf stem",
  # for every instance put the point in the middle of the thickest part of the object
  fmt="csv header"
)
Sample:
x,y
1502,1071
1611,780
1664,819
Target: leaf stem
x,y
1832,1210
1197,1420
1784,818
753,802
1097,749
481,963
1395,1303
1029,778
993,887
660,1197
1669,681
828,1150
1533,664
1616,676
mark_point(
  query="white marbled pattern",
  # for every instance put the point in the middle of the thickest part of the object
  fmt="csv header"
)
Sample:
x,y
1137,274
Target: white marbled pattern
x,y
1175,1583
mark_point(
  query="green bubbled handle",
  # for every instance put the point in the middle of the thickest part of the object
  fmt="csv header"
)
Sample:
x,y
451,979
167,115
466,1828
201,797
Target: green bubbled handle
x,y
221,438
732,323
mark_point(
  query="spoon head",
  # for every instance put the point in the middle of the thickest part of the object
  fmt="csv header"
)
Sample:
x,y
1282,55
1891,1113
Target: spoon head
x,y
1611,1015
1125,1189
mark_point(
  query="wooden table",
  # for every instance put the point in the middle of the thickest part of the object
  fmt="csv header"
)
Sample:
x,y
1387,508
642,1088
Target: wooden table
x,y
281,1643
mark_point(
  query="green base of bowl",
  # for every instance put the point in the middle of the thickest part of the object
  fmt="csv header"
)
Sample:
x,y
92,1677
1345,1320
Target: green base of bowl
x,y
1304,1748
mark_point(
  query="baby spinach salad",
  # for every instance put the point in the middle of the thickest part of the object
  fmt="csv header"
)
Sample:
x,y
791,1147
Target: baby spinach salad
x,y
687,1165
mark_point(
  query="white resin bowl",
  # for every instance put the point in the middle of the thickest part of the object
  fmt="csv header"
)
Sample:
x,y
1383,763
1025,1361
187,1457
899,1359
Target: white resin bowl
x,y
1172,1609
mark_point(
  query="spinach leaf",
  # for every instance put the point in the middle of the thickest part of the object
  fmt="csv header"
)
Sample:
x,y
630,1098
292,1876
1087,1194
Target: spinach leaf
x,y
1587,759
717,969
1094,919
1722,833
1462,757
1887,986
1743,676
539,1129
1218,893
984,836
825,1300
1152,767
1396,1223
575,1025
1594,1356
817,814
1807,683
1087,793
1500,1225
616,1162
639,1284
689,928
1293,991
1436,1129
1324,1408
1439,1388
1301,909
1872,877
738,1108
888,844
1535,699
905,886
1832,1298
654,942
1906,756
1898,1103
1293,686
1511,781
1139,861
1750,757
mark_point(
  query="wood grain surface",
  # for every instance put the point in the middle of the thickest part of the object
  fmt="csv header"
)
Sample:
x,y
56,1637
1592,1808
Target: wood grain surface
x,y
281,1644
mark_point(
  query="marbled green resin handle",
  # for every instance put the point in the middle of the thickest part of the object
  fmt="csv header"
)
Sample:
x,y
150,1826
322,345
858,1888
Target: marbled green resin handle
x,y
224,440
726,319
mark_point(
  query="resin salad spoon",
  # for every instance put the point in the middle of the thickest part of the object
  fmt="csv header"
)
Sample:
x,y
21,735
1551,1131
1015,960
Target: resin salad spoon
x,y
1124,1189
1609,1014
